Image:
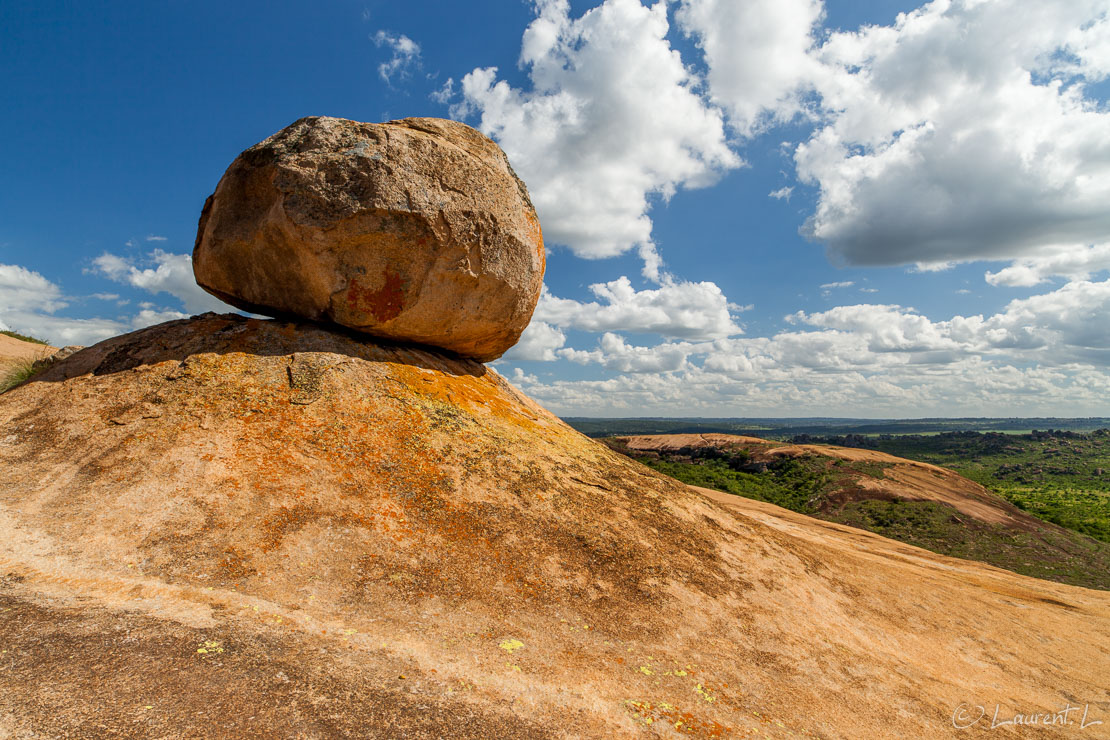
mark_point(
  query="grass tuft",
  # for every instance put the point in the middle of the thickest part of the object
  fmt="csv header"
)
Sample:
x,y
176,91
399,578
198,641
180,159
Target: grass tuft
x,y
16,374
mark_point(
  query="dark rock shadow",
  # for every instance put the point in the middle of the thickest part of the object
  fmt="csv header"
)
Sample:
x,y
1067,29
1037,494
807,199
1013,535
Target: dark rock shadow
x,y
232,333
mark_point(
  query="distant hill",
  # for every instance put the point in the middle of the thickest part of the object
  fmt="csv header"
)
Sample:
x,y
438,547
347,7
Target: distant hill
x,y
1060,476
785,428
913,502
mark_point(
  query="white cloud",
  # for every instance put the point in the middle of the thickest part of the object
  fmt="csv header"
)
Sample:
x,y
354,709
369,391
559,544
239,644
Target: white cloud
x,y
1075,264
684,310
757,53
1044,355
612,119
445,94
613,353
538,343
782,193
28,301
973,388
841,284
405,55
151,316
30,304
155,238
171,273
962,133
25,290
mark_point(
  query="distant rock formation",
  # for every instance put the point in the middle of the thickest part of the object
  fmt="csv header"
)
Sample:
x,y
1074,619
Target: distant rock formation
x,y
415,230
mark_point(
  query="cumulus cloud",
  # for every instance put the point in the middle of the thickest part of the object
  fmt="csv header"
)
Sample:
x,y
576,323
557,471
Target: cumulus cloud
x,y
33,305
612,119
1078,263
405,54
169,273
614,353
972,388
445,94
684,310
962,132
758,56
25,290
28,302
538,343
1039,355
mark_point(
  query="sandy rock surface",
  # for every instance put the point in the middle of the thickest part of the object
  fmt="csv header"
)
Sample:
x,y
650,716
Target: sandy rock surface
x,y
415,230
14,350
224,528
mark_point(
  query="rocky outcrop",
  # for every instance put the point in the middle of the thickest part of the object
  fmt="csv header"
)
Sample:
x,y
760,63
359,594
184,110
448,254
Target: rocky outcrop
x,y
227,527
415,230
44,362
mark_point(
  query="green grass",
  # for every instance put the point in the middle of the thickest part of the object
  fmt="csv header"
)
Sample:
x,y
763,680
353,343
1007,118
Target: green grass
x,y
792,487
15,374
805,485
1058,476
1049,554
23,337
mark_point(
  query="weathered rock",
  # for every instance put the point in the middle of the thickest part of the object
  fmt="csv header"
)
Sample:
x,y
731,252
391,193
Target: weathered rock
x,y
44,362
229,528
415,230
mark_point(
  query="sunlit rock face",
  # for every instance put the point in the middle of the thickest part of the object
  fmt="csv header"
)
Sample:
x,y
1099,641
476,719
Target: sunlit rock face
x,y
415,230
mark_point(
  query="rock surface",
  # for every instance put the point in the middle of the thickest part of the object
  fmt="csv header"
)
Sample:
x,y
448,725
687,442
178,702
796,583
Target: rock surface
x,y
13,351
222,527
415,230
44,362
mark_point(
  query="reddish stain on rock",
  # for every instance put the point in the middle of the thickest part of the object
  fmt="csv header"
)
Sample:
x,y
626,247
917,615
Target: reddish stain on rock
x,y
383,304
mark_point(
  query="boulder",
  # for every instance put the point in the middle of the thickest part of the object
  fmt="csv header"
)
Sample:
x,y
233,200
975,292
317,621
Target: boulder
x,y
415,230
47,361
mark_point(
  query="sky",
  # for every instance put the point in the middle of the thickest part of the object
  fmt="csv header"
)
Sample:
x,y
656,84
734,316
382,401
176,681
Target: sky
x,y
751,207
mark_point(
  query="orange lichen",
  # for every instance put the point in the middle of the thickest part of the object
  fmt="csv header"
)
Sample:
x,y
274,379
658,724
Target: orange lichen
x,y
685,723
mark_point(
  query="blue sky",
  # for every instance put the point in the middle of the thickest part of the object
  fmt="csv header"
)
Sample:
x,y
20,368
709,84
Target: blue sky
x,y
767,208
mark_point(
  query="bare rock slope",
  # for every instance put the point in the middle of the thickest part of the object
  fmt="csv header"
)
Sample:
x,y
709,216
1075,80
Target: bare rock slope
x,y
222,527
13,351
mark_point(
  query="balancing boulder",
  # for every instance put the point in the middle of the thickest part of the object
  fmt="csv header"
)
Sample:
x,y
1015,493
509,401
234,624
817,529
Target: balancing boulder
x,y
415,230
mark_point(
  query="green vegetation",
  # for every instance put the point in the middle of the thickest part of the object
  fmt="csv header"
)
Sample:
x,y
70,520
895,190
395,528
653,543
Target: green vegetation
x,y
793,486
826,488
784,429
801,484
1050,554
23,337
15,374
1059,476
